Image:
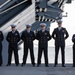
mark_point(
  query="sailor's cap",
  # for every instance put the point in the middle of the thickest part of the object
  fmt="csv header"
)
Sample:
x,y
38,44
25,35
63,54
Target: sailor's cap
x,y
28,25
13,25
43,24
59,21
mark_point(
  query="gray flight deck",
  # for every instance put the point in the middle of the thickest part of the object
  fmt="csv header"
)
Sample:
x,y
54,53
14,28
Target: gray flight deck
x,y
29,70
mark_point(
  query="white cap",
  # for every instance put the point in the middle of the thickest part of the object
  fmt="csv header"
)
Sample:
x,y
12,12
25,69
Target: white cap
x,y
13,25
59,21
29,25
43,24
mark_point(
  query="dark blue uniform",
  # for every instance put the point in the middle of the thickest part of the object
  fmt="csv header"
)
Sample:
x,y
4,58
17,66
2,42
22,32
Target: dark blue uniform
x,y
43,38
28,38
59,36
73,40
13,39
1,39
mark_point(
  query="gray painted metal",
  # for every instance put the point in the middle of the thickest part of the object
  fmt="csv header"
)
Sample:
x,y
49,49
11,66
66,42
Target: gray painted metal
x,y
7,5
52,10
2,1
43,3
8,15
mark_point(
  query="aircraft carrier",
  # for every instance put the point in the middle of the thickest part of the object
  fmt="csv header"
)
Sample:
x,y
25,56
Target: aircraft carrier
x,y
22,12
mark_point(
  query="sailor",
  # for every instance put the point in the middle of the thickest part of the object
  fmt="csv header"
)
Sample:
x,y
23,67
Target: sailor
x,y
1,39
73,40
28,37
13,38
43,36
60,34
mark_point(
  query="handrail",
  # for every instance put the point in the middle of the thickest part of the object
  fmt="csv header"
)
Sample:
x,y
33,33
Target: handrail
x,y
13,7
4,3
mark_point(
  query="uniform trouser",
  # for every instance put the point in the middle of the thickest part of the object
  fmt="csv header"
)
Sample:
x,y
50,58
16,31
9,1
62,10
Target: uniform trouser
x,y
0,55
62,54
10,51
73,55
26,54
40,55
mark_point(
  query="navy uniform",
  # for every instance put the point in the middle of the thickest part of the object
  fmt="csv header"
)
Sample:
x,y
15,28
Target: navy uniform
x,y
1,39
73,40
13,38
28,37
60,34
43,37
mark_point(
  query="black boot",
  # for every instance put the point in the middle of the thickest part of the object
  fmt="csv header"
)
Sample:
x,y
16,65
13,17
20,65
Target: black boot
x,y
34,65
63,65
38,65
55,65
0,65
23,64
46,65
17,64
8,65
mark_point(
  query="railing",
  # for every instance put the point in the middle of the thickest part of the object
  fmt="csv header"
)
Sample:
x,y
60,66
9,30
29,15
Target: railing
x,y
8,5
5,3
9,14
13,7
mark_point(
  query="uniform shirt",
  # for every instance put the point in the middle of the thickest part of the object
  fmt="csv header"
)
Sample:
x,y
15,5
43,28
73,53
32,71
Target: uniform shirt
x,y
13,32
60,36
43,30
59,28
43,38
28,31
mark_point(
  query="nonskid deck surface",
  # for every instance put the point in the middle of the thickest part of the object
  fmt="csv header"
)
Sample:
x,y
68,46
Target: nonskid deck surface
x,y
28,69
